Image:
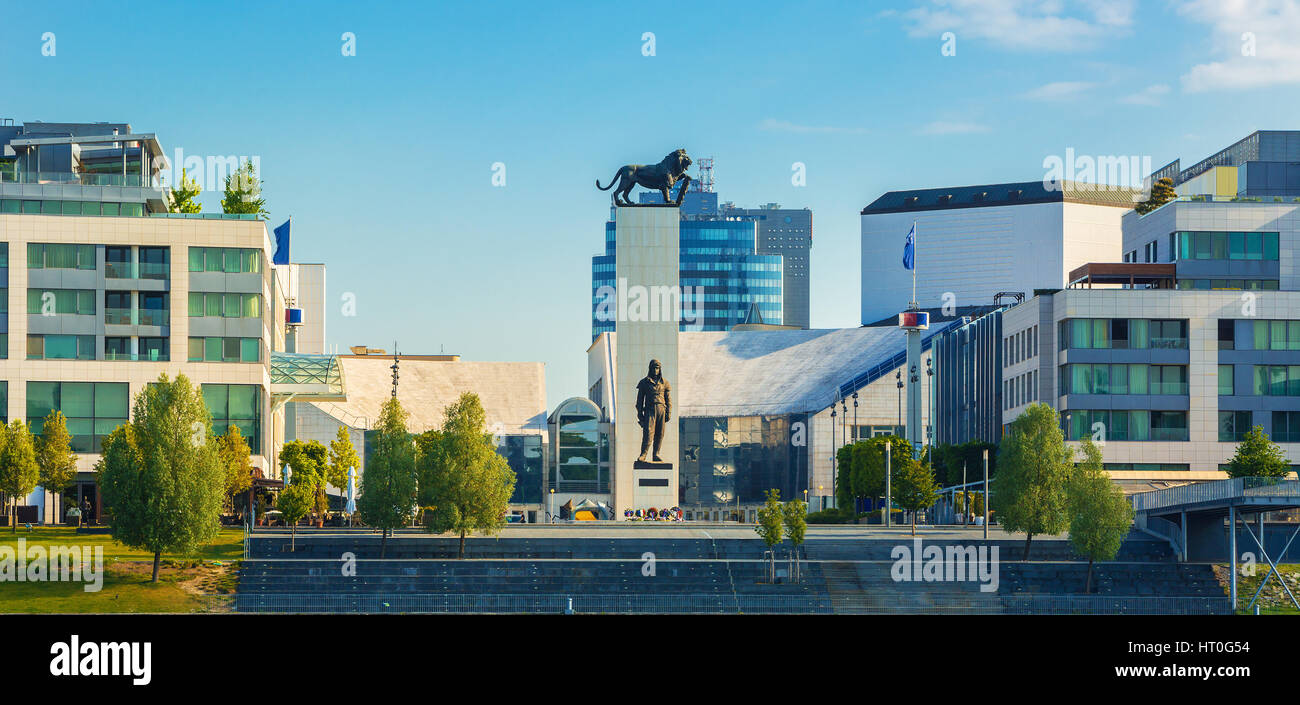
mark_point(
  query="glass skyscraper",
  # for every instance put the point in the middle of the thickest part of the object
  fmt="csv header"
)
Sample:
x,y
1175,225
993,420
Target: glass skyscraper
x,y
722,277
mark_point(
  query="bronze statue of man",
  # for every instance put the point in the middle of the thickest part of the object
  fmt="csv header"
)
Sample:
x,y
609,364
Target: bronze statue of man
x,y
654,409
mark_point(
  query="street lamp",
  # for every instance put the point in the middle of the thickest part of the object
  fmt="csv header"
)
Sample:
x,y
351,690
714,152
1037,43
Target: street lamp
x,y
855,417
929,374
898,377
833,447
551,514
822,496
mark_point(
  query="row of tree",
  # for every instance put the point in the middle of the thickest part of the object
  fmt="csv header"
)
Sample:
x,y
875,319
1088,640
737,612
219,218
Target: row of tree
x,y
242,193
862,468
453,476
28,461
1041,488
777,520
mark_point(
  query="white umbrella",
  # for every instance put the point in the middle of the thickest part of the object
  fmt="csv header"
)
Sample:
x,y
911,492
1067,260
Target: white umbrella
x,y
351,507
288,474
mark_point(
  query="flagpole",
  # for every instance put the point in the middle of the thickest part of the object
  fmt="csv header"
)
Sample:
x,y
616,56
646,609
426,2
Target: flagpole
x,y
914,264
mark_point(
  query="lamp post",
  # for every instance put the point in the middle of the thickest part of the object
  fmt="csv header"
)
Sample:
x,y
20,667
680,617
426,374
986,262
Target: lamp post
x,y
833,447
986,493
888,473
855,417
898,377
822,495
551,513
929,374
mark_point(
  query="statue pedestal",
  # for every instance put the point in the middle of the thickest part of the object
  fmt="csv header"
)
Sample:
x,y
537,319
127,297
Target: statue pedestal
x,y
647,269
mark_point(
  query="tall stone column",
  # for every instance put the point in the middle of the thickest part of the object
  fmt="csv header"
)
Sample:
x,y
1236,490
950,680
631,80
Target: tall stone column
x,y
647,268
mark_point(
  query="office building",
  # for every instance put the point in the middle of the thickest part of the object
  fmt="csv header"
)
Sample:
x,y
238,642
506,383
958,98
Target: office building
x,y
780,231
1265,165
722,278
973,242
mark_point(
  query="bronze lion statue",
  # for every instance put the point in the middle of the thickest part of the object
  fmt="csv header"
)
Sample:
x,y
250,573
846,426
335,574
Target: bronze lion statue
x,y
657,177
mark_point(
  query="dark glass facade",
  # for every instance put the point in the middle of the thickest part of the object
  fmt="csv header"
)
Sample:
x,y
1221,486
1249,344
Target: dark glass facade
x,y
739,458
721,277
968,374
524,453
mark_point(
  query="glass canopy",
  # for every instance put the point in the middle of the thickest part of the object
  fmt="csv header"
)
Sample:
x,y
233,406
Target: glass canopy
x,y
305,377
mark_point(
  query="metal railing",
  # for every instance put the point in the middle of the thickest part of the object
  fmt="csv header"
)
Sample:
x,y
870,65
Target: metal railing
x,y
78,179
136,316
720,603
1240,488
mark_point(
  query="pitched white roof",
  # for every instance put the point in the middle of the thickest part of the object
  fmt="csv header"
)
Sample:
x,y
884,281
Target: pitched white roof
x,y
513,393
746,373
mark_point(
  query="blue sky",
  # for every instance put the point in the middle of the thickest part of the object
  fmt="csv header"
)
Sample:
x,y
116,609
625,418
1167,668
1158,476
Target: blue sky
x,y
384,159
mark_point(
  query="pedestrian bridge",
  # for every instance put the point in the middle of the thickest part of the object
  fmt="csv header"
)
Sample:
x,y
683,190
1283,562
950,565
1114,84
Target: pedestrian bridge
x,y
1209,521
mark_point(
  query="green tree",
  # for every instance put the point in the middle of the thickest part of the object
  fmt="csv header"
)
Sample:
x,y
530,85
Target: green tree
x,y
243,192
388,485
342,456
771,521
950,458
1100,515
19,473
182,197
1162,192
863,476
160,476
1258,456
236,464
465,485
294,503
1029,493
795,516
54,456
310,463
913,487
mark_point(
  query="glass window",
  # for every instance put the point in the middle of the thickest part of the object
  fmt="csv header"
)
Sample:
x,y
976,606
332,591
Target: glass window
x,y
1137,379
1139,331
250,350
196,259
230,349
212,350
195,350
1225,380
196,303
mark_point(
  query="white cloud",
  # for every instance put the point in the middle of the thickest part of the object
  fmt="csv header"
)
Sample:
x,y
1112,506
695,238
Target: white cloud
x,y
772,125
1059,90
1024,25
1266,28
1150,95
945,127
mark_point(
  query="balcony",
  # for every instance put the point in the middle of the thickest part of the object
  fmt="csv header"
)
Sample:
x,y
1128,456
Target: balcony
x,y
151,356
77,179
132,270
136,317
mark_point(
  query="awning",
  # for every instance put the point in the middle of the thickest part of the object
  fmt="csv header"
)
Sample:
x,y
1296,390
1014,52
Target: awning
x,y
304,377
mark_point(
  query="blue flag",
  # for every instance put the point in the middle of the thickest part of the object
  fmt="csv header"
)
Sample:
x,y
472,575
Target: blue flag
x,y
281,255
909,249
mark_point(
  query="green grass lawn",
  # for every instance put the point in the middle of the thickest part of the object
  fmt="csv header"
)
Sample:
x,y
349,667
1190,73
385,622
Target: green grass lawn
x,y
127,572
227,547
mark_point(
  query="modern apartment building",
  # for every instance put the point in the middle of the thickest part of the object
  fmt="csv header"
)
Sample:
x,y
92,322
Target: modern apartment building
x,y
973,242
1178,355
105,290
